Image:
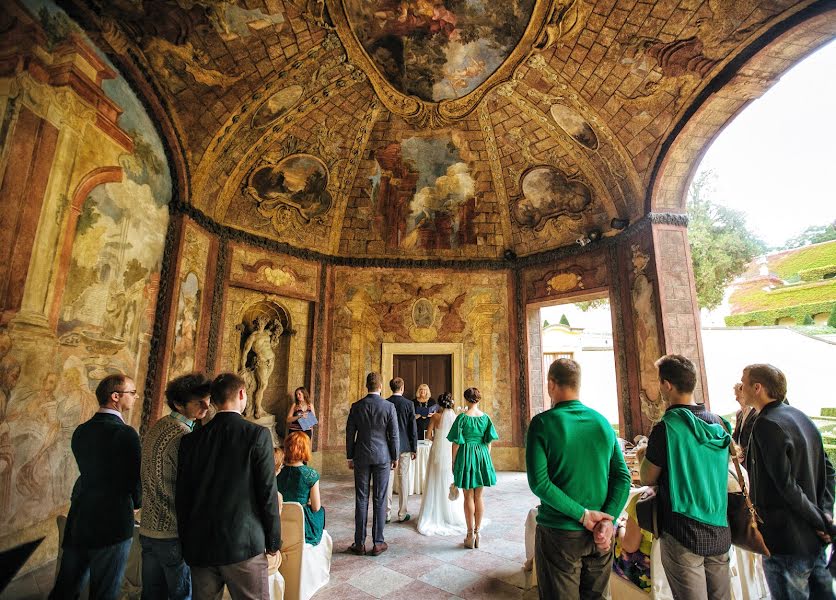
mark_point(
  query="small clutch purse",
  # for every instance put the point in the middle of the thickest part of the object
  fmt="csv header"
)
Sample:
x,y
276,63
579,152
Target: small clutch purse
x,y
454,492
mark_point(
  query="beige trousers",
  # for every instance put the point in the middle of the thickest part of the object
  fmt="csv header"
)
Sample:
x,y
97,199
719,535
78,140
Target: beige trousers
x,y
403,481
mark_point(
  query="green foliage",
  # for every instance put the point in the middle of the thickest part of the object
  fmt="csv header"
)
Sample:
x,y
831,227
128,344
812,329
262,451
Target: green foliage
x,y
564,321
146,154
769,317
808,320
815,234
811,257
756,299
592,304
79,280
134,272
831,321
545,324
817,273
721,244
56,26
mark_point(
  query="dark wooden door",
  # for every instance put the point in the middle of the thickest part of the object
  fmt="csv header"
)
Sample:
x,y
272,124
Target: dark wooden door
x,y
436,370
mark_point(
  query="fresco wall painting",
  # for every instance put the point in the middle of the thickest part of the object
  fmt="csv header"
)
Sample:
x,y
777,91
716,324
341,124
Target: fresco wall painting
x,y
372,306
88,313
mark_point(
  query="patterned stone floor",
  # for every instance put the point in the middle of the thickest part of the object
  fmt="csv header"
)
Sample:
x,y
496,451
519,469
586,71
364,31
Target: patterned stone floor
x,y
430,568
415,566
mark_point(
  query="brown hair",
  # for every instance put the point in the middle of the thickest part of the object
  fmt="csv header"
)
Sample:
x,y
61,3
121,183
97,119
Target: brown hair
x,y
472,395
108,385
396,385
187,387
278,458
771,378
297,446
225,387
373,381
305,394
678,371
565,372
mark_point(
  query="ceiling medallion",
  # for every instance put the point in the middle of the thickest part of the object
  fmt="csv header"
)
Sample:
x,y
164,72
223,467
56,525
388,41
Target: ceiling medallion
x,y
432,61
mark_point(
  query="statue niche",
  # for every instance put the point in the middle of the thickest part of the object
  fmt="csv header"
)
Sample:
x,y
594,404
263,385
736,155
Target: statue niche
x,y
264,357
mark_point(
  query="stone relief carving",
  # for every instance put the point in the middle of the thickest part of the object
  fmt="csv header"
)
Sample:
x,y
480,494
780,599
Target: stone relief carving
x,y
647,335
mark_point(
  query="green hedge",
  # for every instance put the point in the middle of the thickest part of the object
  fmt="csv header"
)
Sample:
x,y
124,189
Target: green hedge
x,y
770,317
756,299
817,273
809,257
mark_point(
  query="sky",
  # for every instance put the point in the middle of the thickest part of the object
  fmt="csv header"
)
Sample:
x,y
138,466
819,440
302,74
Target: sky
x,y
776,161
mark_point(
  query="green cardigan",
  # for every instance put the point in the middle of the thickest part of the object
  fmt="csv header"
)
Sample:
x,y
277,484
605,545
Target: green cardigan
x,y
574,462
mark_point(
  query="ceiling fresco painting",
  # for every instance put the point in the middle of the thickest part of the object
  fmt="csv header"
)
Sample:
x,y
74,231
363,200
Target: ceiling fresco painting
x,y
438,49
500,97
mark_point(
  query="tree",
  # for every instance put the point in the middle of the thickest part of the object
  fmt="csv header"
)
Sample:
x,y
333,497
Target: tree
x,y
808,320
587,305
721,244
831,321
564,320
814,234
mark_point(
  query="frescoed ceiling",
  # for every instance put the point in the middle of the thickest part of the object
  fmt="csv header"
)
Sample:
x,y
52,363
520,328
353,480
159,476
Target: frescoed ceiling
x,y
427,128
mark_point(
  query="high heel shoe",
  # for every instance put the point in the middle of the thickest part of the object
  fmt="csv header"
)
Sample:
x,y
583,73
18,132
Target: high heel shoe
x,y
468,541
476,538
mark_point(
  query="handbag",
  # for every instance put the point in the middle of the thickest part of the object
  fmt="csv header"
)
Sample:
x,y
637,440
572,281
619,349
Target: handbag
x,y
647,511
743,517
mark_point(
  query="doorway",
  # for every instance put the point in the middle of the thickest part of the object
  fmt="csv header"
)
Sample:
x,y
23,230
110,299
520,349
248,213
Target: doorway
x,y
436,370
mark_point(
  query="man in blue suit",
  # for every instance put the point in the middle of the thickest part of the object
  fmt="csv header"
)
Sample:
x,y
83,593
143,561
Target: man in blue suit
x,y
372,448
100,524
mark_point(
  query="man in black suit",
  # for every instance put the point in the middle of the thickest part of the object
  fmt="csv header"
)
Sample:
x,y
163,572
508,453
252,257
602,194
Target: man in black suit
x,y
408,436
372,448
100,524
226,500
792,487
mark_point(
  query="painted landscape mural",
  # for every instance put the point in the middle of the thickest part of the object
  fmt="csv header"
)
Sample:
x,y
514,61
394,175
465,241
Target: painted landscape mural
x,y
106,280
426,193
438,49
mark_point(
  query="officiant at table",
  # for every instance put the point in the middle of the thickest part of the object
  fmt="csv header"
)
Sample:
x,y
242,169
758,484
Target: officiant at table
x,y
425,407
301,416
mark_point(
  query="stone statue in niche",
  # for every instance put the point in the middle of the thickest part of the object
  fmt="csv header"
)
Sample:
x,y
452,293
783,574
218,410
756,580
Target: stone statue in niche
x,y
258,358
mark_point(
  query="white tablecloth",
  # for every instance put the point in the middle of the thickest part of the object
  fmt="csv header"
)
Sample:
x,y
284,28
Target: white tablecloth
x,y
417,469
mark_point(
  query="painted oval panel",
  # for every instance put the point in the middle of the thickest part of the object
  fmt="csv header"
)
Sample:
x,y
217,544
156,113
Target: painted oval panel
x,y
299,181
438,49
575,125
276,105
549,193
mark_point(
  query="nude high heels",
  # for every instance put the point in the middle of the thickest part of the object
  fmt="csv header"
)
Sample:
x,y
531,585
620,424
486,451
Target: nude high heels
x,y
469,540
476,538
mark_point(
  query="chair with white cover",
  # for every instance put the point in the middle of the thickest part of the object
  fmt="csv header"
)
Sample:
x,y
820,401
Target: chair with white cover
x,y
305,568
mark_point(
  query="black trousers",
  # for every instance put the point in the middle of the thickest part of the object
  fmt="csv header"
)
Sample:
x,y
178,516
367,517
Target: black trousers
x,y
378,477
569,565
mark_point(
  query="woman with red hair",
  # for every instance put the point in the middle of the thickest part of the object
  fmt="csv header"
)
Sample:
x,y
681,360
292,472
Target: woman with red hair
x,y
297,482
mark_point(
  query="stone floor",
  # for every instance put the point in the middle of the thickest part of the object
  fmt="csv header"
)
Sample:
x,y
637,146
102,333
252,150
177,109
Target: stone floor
x,y
430,568
415,566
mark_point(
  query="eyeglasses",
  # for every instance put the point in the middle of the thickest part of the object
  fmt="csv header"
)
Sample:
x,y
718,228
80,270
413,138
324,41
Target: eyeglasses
x,y
133,392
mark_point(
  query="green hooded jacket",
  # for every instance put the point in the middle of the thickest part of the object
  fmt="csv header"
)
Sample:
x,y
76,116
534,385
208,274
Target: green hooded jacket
x,y
698,458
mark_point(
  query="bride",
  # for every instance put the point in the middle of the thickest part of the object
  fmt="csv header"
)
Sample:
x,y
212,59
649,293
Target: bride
x,y
439,515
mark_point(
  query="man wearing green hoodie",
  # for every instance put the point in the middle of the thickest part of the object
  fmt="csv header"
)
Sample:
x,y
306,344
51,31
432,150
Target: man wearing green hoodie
x,y
687,457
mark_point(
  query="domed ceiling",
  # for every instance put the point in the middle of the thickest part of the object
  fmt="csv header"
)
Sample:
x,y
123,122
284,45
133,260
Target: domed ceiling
x,y
423,128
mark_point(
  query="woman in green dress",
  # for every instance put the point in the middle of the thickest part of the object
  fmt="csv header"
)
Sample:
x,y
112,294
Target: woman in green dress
x,y
297,482
472,434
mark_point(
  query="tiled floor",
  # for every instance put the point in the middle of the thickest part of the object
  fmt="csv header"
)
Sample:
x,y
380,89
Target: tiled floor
x,y
415,566
430,568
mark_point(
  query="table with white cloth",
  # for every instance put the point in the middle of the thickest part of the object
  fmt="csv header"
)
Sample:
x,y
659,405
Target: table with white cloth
x,y
417,470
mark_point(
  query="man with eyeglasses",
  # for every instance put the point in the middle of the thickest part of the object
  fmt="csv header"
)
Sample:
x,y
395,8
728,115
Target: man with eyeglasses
x,y
100,524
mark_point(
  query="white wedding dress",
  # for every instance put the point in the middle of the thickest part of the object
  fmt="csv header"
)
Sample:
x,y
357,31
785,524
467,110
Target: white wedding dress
x,y
440,516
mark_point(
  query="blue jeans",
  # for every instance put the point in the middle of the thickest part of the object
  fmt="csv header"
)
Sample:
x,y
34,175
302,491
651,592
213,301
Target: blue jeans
x,y
164,572
798,577
105,567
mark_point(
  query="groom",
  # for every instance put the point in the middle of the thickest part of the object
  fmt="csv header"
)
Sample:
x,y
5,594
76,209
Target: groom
x,y
371,446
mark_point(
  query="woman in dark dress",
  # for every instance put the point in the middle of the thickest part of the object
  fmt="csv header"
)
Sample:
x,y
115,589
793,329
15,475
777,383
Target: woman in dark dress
x,y
423,400
297,482
301,407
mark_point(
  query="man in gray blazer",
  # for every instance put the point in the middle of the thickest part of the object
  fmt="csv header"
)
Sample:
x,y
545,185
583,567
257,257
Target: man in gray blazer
x,y
408,436
372,448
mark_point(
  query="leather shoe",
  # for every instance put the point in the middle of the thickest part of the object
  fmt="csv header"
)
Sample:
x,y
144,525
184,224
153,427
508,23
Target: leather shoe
x,y
405,519
379,549
358,550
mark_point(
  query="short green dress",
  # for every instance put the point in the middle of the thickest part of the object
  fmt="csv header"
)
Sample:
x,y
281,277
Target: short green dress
x,y
294,484
473,467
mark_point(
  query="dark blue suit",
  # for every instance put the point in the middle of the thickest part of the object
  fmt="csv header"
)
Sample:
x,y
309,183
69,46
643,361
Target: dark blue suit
x,y
371,441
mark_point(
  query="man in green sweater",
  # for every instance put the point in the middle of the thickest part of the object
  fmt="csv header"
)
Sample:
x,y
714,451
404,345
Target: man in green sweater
x,y
576,468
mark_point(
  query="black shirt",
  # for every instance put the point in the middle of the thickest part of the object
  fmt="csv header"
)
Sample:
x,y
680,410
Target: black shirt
x,y
700,538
